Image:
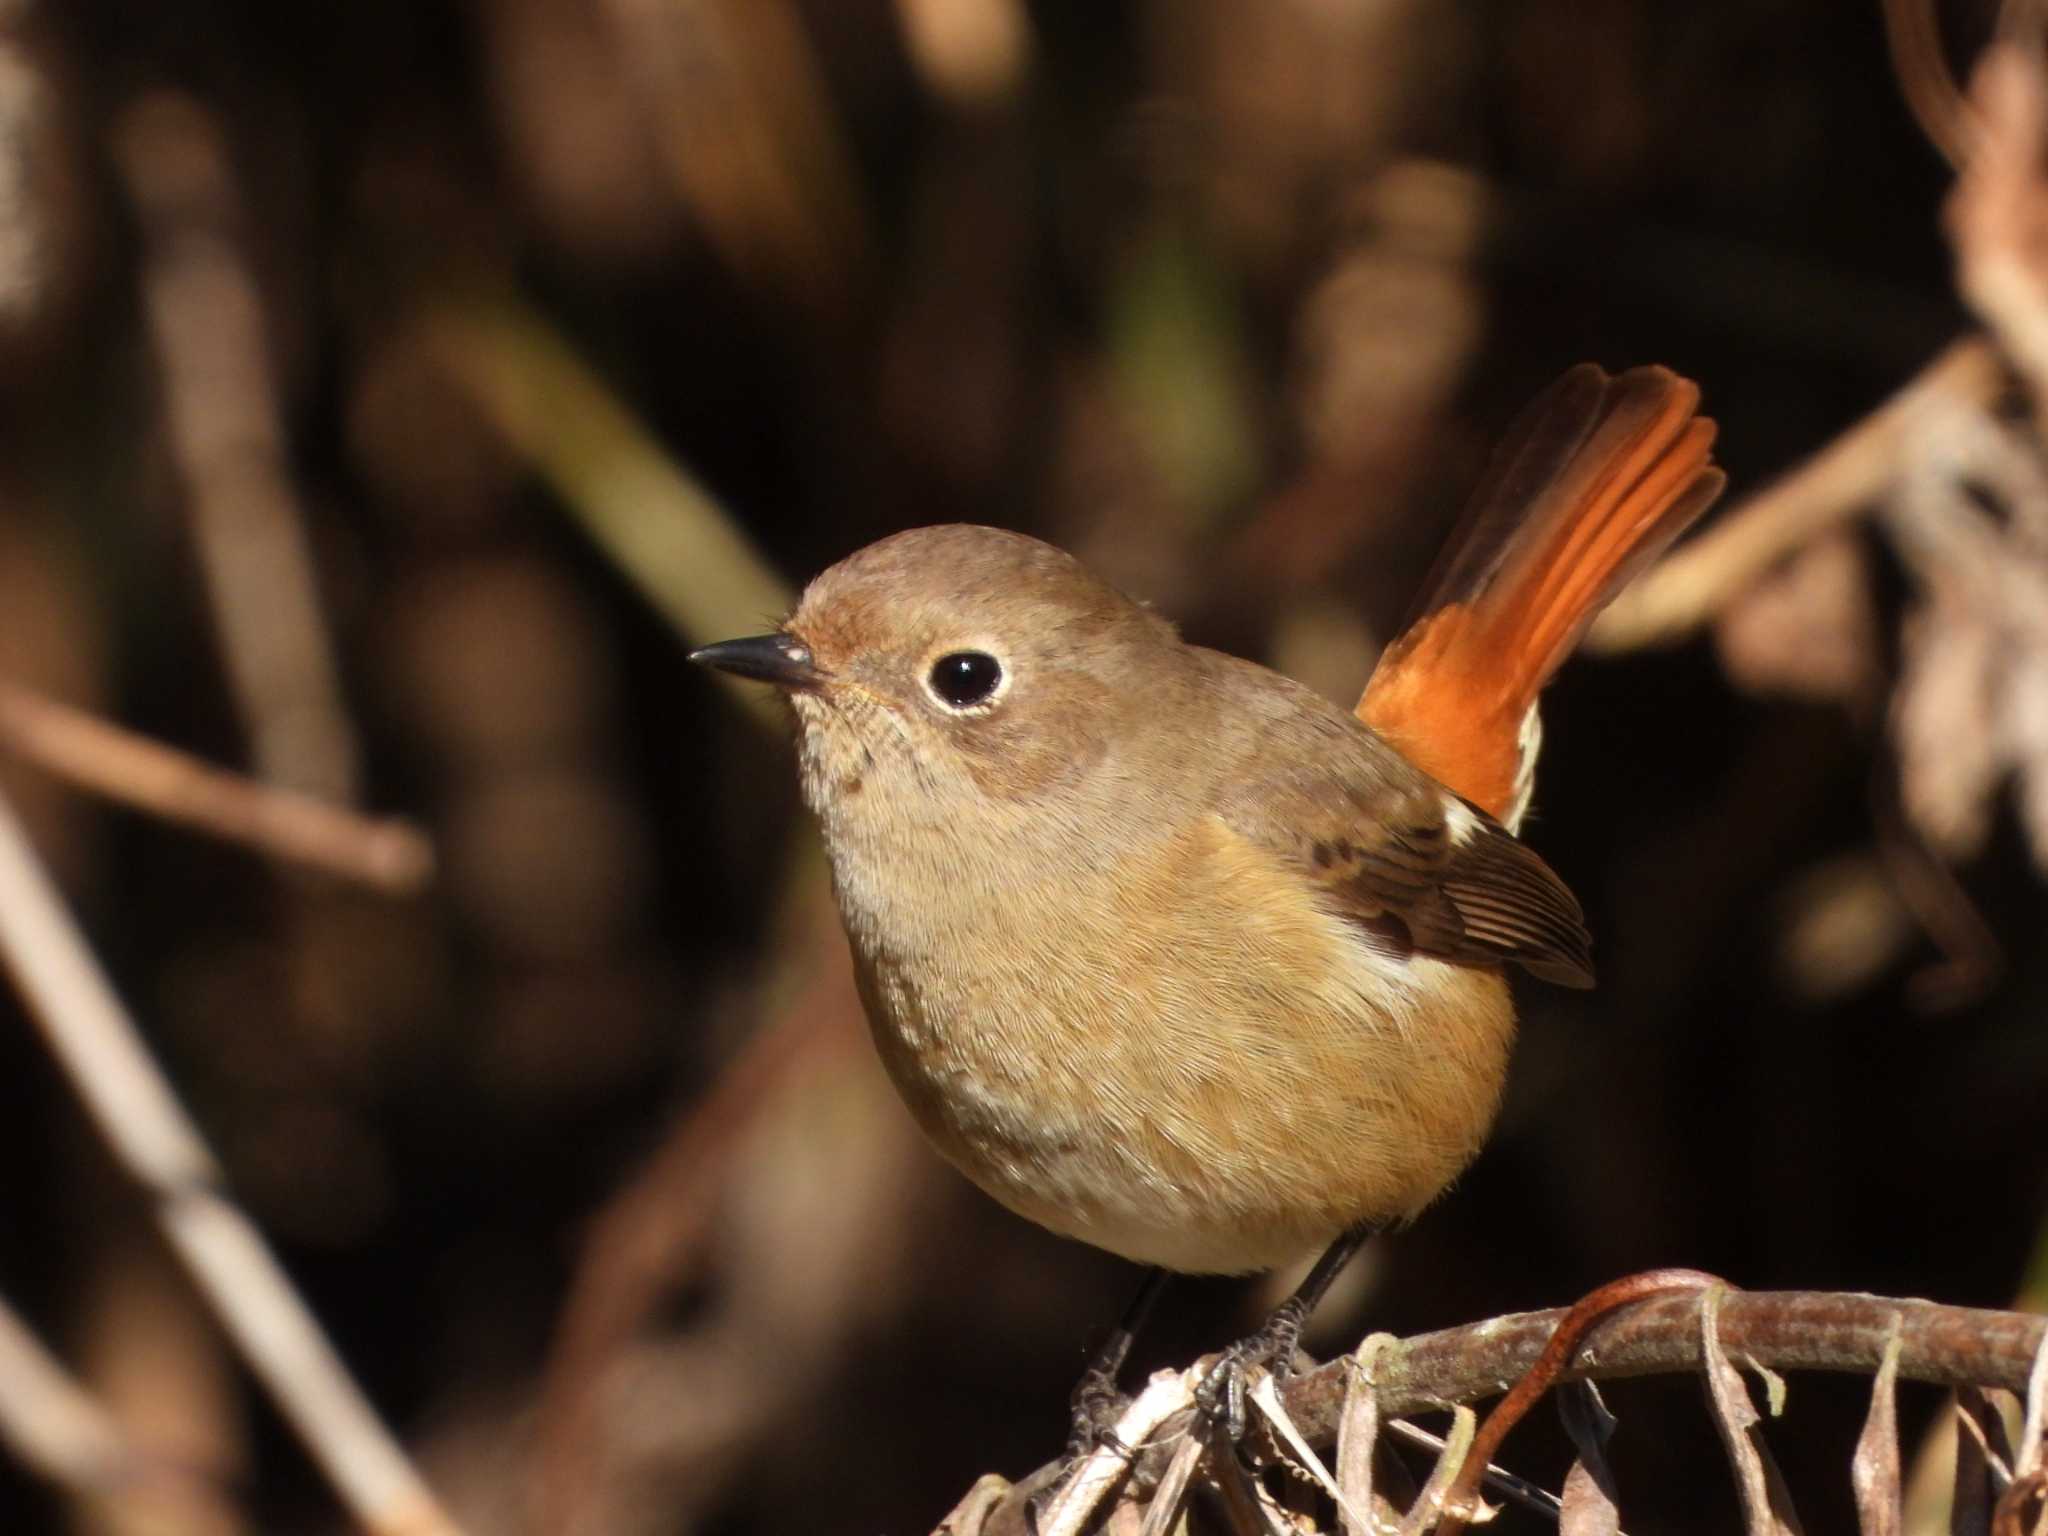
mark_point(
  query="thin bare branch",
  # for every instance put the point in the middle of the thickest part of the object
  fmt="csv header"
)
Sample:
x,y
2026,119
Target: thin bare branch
x,y
102,757
1689,587
101,1050
1912,31
61,1431
1784,1330
221,400
664,530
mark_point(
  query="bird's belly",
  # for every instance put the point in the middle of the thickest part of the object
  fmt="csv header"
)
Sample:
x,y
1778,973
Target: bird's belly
x,y
1217,1105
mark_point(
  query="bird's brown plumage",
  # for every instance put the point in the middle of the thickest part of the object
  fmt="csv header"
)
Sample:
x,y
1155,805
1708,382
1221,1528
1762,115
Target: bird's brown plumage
x,y
1165,951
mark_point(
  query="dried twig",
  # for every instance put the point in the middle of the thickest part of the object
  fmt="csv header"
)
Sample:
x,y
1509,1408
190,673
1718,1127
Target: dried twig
x,y
1784,1330
101,1050
1461,1501
1913,33
60,1430
99,756
1788,1330
220,398
1690,586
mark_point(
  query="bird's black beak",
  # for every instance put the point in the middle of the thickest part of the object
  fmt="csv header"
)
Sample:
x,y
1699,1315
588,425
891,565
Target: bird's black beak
x,y
780,659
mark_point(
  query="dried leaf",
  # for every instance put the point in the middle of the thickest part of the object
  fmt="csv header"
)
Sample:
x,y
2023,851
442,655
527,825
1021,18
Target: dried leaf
x,y
972,1512
1766,1506
1773,1384
1266,1398
2034,1432
1874,1470
2023,1511
1358,1433
1246,1505
1167,1498
1588,1507
1970,1509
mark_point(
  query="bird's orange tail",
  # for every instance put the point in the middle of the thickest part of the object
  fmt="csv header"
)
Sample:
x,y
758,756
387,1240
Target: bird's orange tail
x,y
1593,482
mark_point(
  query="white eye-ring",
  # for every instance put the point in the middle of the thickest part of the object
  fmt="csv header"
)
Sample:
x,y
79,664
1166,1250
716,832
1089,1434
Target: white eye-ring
x,y
967,682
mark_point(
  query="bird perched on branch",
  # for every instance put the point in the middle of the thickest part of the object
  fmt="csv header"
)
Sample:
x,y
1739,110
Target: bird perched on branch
x,y
1164,951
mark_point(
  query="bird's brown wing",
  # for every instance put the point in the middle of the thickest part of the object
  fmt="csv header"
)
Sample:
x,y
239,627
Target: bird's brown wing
x,y
1389,848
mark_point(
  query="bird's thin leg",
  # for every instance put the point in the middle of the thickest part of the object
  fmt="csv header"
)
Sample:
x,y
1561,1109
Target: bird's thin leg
x,y
1097,1403
1221,1394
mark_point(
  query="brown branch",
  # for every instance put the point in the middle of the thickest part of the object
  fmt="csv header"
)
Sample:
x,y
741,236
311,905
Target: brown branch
x,y
1774,1330
221,409
101,1050
1547,1369
107,760
1784,1330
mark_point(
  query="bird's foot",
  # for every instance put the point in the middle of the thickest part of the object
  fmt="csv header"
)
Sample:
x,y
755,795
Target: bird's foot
x,y
1094,1409
1221,1396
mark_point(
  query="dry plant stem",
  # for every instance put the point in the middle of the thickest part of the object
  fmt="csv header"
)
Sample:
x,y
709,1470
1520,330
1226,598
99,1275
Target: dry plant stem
x,y
220,397
95,755
1458,1444
659,526
734,92
49,1421
1783,1330
59,1430
1091,1479
1912,31
1766,1505
1691,585
1544,1373
102,1052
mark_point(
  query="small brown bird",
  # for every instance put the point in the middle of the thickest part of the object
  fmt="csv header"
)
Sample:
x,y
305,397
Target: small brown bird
x,y
1164,951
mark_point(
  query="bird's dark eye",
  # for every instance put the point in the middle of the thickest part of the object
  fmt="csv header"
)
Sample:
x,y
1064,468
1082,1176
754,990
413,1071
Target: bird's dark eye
x,y
963,679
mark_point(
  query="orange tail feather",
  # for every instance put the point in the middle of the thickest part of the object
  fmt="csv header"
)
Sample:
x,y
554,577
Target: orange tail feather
x,y
1594,482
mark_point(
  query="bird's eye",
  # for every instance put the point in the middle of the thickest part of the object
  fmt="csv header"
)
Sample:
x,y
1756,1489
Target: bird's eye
x,y
963,679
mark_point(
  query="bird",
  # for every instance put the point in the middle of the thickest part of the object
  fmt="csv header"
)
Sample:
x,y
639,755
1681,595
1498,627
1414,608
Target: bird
x,y
1165,951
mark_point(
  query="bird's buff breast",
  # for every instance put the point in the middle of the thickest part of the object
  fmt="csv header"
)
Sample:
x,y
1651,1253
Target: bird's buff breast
x,y
1178,1057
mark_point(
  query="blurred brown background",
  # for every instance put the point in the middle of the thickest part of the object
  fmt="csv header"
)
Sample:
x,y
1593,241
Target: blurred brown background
x,y
324,334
